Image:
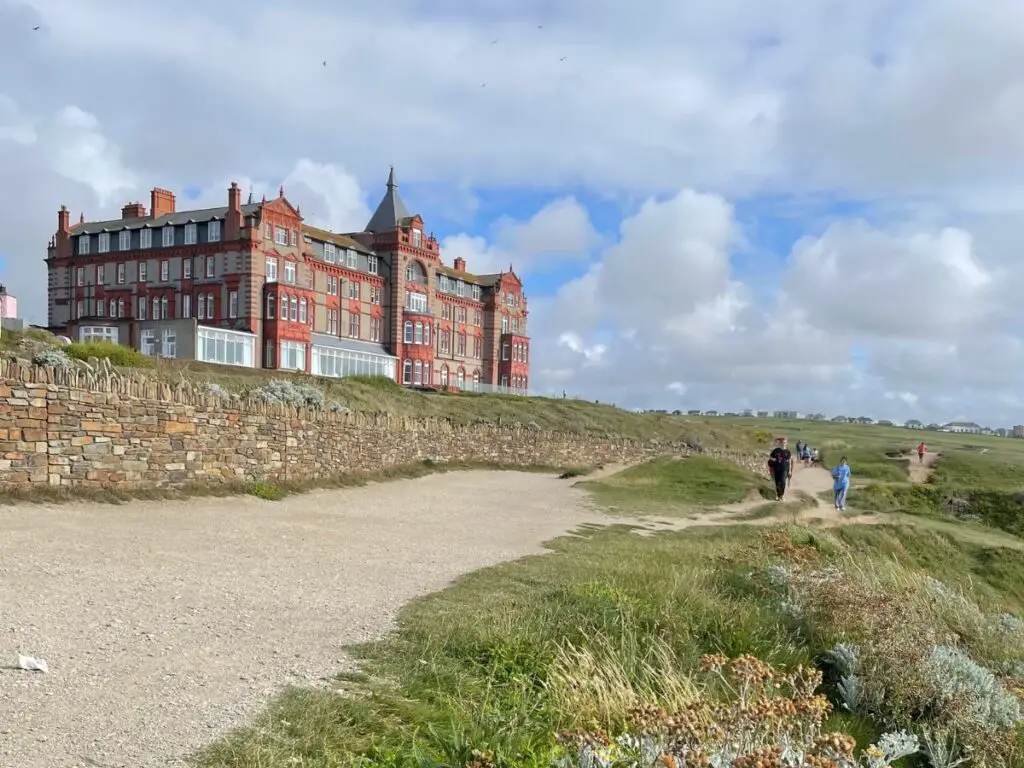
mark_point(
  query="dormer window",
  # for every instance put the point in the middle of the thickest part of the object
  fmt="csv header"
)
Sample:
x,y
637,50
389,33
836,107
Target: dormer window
x,y
417,238
414,273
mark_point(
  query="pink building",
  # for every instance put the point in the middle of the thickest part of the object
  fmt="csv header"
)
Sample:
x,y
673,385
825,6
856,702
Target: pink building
x,y
8,305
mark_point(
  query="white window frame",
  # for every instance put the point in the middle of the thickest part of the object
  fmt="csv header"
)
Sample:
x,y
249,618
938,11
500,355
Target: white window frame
x,y
418,334
124,240
186,305
376,329
167,237
103,243
218,341
165,270
186,268
169,342
290,272
191,233
407,334
83,245
232,304
407,372
209,306
200,307
417,238
294,237
211,266
89,333
476,294
280,235
145,238
351,258
101,306
417,302
355,325
291,356
373,265
140,308
213,231
303,316
354,291
80,276
330,252
271,269
143,269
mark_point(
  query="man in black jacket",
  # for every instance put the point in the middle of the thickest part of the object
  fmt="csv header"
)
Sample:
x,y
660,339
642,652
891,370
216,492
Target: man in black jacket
x,y
780,464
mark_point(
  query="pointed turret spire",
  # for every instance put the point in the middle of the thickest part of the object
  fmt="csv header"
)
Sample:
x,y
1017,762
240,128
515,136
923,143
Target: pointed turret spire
x,y
391,211
250,195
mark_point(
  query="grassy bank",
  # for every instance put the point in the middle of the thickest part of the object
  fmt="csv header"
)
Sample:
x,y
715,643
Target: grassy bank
x,y
508,657
670,485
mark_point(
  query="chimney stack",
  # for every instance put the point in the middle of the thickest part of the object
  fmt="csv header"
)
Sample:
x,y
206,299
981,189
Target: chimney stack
x,y
233,220
133,211
63,239
460,264
161,202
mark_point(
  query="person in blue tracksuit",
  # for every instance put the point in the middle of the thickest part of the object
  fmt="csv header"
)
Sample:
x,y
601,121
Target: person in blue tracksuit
x,y
841,483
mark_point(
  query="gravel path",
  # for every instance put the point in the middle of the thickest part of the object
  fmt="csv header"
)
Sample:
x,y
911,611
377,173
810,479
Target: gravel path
x,y
164,624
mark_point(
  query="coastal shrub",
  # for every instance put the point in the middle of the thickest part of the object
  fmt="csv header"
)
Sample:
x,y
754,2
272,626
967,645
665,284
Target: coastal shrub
x,y
53,358
745,714
283,392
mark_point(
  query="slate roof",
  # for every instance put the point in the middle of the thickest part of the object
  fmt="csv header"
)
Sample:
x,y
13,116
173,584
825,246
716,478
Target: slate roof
x,y
168,219
391,212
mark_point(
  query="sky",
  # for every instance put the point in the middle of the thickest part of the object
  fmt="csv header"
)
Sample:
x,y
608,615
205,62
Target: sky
x,y
717,205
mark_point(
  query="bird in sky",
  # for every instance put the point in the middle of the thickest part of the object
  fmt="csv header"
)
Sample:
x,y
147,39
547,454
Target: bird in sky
x,y
35,29
563,58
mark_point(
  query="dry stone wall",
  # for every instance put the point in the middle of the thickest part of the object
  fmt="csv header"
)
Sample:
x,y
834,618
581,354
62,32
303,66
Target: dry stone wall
x,y
83,428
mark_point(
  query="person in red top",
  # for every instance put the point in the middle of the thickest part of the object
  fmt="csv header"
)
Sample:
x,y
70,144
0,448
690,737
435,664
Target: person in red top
x,y
921,451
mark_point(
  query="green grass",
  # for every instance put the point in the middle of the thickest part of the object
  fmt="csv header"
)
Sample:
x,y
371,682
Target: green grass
x,y
669,484
121,356
476,666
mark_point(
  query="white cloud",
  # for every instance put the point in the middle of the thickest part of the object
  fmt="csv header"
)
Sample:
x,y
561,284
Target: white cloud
x,y
560,231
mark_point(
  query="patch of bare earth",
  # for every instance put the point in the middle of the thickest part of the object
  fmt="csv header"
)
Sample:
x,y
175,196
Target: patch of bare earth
x,y
164,624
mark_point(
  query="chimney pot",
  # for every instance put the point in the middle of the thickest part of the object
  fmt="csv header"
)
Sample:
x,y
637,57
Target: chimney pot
x,y
460,264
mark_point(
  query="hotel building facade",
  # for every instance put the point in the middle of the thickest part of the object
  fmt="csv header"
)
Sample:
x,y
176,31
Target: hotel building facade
x,y
251,285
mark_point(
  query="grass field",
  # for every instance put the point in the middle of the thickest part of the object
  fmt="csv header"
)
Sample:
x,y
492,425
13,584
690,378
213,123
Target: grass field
x,y
485,673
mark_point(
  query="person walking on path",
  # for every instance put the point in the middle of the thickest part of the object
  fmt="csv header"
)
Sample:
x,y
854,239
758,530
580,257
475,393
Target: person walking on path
x,y
841,483
780,464
921,450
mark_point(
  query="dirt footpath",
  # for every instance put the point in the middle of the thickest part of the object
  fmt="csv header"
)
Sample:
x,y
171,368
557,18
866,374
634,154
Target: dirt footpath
x,y
165,624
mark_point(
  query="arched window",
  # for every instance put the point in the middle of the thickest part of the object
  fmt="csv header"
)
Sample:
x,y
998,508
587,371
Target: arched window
x,y
284,307
120,307
460,379
417,376
270,305
294,308
426,334
414,273
407,372
419,333
426,374
408,332
302,310
163,307
476,381
444,375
